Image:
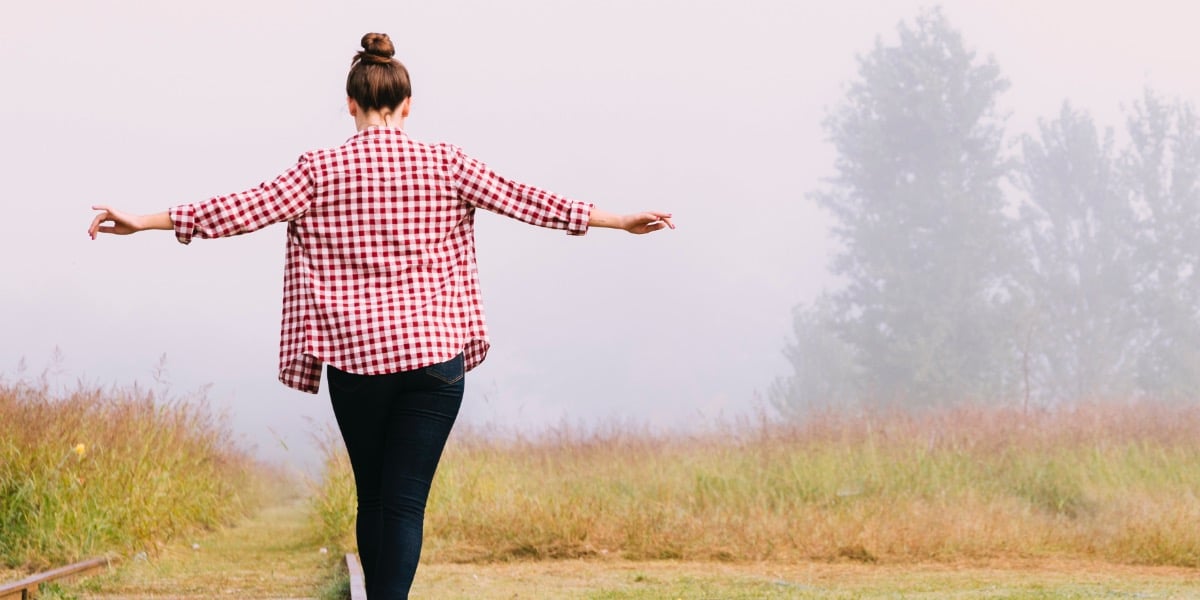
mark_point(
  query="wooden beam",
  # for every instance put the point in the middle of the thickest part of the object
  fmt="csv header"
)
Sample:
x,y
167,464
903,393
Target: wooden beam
x,y
27,588
358,583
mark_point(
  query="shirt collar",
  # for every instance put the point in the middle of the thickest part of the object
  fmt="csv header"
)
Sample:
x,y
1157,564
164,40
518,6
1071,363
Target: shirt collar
x,y
378,131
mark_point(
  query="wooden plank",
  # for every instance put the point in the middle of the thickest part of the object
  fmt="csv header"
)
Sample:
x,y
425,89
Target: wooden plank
x,y
358,583
27,588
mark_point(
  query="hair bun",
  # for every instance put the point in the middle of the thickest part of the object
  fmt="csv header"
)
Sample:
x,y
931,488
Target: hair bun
x,y
377,48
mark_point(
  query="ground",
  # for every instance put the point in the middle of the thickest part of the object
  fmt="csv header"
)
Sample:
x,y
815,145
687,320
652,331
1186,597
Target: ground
x,y
269,557
668,580
264,557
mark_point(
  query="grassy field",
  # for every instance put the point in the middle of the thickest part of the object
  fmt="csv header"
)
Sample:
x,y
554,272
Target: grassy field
x,y
1094,501
269,556
1107,483
93,471
592,579
265,556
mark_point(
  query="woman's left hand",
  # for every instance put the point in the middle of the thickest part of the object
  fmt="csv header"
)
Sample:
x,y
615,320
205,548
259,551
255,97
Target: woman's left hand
x,y
646,222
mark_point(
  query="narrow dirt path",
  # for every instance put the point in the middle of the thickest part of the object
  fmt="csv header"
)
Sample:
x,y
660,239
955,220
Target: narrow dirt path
x,y
266,556
269,557
670,580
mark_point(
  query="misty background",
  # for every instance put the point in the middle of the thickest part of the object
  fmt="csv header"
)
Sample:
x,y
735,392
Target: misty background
x,y
877,201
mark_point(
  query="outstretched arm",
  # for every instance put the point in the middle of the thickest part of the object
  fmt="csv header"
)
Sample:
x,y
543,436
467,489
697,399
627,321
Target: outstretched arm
x,y
285,198
484,188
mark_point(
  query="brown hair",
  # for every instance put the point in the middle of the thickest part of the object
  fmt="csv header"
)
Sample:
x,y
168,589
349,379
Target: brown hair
x,y
376,80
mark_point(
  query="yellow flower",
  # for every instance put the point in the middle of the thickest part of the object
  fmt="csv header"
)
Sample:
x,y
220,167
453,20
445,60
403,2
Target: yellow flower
x,y
80,450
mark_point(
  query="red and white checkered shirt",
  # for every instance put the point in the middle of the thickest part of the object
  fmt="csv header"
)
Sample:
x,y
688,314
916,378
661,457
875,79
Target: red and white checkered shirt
x,y
380,274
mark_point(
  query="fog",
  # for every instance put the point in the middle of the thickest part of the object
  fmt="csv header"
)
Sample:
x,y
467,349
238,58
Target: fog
x,y
725,113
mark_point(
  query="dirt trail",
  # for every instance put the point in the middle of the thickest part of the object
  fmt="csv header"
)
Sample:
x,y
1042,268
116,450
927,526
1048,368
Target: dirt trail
x,y
616,579
266,556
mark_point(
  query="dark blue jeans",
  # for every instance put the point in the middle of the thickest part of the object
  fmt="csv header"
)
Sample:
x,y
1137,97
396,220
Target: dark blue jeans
x,y
395,427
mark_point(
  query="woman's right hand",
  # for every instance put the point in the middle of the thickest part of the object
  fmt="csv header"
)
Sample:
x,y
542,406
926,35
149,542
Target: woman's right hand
x,y
125,223
122,223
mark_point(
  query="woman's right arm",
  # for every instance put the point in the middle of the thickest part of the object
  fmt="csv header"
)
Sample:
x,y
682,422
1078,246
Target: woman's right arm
x,y
285,198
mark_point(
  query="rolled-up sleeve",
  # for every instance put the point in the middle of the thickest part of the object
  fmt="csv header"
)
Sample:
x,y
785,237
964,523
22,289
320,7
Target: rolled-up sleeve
x,y
285,198
484,188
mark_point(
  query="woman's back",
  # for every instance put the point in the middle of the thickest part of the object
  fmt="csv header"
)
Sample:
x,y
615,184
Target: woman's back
x,y
383,259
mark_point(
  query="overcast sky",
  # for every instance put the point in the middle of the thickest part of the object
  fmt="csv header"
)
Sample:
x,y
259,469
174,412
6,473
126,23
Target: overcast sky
x,y
711,110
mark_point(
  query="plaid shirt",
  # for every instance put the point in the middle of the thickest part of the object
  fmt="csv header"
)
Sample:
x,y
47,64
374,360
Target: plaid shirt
x,y
380,274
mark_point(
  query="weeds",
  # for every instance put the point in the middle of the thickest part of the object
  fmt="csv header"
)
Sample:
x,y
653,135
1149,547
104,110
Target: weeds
x,y
1111,482
332,500
94,471
337,584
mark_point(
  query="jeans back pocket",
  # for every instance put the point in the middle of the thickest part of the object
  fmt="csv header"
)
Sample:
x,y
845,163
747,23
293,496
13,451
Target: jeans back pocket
x,y
451,371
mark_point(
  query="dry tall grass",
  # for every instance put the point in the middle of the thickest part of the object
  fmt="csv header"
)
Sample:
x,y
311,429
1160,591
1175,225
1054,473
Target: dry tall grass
x,y
1111,482
332,500
94,471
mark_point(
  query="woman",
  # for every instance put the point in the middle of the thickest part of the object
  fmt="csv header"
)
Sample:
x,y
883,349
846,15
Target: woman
x,y
381,286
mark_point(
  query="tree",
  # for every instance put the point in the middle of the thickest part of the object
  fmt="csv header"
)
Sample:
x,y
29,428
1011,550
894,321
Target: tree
x,y
1161,169
919,212
1080,232
825,373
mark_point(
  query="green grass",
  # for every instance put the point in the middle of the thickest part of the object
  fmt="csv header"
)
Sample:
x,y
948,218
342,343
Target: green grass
x,y
337,585
94,471
267,556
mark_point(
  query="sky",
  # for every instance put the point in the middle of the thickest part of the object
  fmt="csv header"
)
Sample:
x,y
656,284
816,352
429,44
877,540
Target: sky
x,y
709,109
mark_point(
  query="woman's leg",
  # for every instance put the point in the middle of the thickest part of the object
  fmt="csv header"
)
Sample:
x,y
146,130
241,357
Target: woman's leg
x,y
395,427
361,404
417,432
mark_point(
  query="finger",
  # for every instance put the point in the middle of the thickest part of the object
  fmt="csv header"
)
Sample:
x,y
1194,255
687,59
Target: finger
x,y
652,216
655,216
108,229
658,224
96,221
650,227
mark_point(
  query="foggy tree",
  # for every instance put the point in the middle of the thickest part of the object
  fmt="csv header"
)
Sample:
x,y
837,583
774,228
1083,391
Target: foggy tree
x,y
825,374
1161,169
1089,292
918,210
1079,334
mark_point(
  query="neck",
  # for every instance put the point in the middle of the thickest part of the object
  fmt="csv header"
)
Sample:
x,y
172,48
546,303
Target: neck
x,y
378,118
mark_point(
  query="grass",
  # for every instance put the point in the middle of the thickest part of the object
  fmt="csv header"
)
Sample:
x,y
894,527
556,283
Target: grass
x,y
1110,483
1094,501
95,471
270,556
264,556
332,499
613,579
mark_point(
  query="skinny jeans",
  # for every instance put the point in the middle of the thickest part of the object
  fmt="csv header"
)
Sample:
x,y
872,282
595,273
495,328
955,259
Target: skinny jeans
x,y
395,427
